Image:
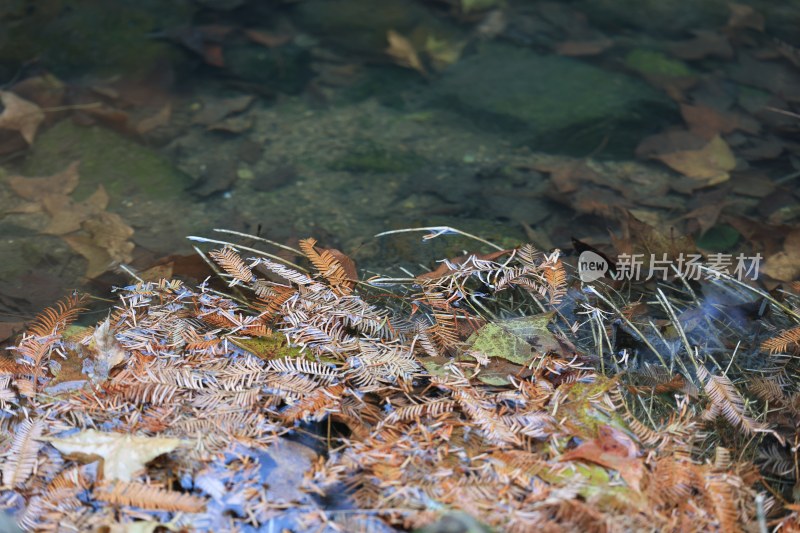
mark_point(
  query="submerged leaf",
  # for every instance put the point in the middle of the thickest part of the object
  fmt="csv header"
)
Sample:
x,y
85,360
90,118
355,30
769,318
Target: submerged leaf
x,y
709,162
20,115
403,52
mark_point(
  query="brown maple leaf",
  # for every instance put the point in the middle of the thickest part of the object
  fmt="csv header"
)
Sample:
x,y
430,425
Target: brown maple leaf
x,y
20,115
36,189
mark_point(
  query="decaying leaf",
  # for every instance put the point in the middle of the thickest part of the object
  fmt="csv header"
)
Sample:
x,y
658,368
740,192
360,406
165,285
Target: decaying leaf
x,y
105,243
20,115
106,350
268,39
402,51
443,53
744,16
67,215
215,110
517,340
612,449
584,48
641,237
707,122
123,454
157,120
101,237
36,189
785,265
709,162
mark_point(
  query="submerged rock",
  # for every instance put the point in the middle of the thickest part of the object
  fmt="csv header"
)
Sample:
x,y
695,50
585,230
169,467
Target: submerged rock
x,y
360,26
79,36
122,166
554,102
284,69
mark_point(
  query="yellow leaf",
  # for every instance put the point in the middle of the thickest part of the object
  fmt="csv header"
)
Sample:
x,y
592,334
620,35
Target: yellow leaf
x,y
710,163
403,52
123,454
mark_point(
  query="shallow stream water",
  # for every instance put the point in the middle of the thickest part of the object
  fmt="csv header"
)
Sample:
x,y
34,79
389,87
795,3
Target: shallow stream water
x,y
516,121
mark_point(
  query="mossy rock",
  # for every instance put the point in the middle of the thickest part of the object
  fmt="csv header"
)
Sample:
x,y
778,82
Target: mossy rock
x,y
360,26
655,17
122,166
72,37
285,68
551,102
654,63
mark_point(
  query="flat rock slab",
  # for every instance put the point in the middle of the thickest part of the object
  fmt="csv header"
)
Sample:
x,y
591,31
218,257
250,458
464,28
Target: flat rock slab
x,y
547,97
121,165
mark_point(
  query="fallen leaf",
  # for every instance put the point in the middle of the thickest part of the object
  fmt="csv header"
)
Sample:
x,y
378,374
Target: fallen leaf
x,y
36,189
706,216
204,40
761,147
566,174
215,110
232,124
443,53
694,157
20,115
158,272
213,55
107,115
67,216
469,6
706,43
270,40
159,119
403,52
743,16
517,340
754,184
9,329
104,244
597,201
640,237
584,48
123,454
777,77
44,90
705,209
707,122
785,265
611,449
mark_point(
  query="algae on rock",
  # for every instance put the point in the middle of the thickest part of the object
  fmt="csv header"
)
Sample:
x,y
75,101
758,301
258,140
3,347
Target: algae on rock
x,y
122,166
549,99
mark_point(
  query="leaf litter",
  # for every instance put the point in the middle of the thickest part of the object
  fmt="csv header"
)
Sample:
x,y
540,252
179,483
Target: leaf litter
x,y
184,422
501,392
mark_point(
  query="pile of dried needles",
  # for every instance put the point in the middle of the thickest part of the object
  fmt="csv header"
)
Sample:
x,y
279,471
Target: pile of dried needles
x,y
495,386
